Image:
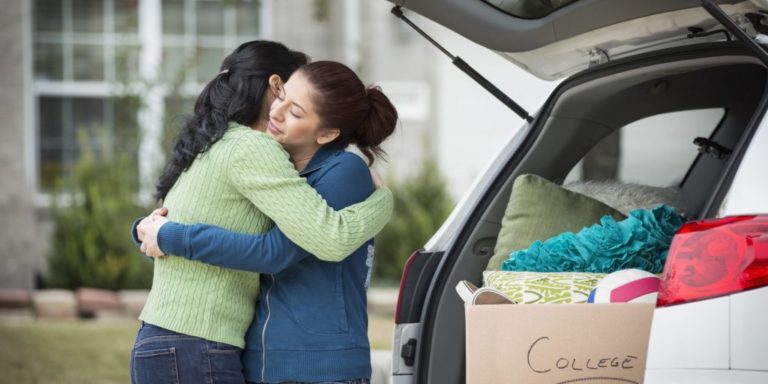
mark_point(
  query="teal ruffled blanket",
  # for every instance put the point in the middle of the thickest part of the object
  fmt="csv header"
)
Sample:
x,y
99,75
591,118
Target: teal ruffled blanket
x,y
640,241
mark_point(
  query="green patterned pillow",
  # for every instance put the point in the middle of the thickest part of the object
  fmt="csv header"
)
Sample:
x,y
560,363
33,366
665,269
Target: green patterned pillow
x,y
539,209
543,287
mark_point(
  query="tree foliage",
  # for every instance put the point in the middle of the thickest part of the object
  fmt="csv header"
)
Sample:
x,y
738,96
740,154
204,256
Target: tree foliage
x,y
91,246
422,204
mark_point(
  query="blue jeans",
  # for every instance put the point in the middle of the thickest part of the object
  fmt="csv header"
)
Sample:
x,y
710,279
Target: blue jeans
x,y
358,381
161,356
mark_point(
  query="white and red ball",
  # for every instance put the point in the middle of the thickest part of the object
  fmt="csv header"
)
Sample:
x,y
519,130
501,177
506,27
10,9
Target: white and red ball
x,y
626,286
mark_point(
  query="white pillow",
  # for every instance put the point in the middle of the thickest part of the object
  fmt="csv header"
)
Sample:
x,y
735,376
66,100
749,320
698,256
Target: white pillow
x,y
626,197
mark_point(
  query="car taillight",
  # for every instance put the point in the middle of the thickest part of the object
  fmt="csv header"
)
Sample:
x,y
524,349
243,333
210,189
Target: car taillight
x,y
711,258
403,280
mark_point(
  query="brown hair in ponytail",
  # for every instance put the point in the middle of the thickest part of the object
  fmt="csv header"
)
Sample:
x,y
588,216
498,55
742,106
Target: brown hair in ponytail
x,y
364,116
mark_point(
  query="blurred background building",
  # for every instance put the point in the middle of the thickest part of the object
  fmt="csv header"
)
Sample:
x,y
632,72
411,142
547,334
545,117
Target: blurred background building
x,y
124,71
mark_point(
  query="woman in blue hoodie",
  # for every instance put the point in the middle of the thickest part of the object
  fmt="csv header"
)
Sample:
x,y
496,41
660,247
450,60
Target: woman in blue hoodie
x,y
311,322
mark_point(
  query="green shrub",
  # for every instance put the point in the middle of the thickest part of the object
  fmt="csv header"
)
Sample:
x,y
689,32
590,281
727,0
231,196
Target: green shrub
x,y
91,246
422,204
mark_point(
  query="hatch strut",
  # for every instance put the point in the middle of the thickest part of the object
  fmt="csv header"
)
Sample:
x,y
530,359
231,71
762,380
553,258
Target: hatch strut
x,y
731,26
466,68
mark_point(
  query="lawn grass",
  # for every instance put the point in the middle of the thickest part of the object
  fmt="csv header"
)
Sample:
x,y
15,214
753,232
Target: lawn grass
x,y
98,352
380,331
66,352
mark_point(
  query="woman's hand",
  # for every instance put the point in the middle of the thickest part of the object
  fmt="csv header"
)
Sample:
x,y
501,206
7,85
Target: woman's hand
x,y
148,229
377,182
162,211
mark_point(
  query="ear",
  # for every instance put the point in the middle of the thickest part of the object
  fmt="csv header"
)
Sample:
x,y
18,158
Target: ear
x,y
275,84
327,135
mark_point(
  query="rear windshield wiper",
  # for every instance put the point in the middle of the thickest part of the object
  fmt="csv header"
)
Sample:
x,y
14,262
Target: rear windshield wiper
x,y
466,68
734,28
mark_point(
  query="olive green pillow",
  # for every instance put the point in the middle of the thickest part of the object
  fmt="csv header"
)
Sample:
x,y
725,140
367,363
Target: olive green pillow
x,y
539,209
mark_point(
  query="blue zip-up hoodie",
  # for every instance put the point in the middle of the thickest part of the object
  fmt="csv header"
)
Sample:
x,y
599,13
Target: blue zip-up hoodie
x,y
312,322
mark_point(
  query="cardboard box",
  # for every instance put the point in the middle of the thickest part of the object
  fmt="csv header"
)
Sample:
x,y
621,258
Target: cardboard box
x,y
557,343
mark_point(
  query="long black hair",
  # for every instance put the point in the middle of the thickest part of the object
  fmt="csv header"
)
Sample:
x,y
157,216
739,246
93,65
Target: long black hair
x,y
234,95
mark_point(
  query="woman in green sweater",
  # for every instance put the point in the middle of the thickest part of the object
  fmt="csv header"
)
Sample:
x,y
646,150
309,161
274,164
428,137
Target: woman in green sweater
x,y
226,172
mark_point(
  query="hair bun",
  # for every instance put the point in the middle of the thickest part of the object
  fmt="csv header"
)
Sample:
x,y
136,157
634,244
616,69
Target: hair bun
x,y
378,124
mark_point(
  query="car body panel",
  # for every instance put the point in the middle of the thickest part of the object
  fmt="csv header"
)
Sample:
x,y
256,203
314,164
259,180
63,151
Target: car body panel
x,y
749,332
581,34
719,340
703,376
726,333
693,335
403,333
667,30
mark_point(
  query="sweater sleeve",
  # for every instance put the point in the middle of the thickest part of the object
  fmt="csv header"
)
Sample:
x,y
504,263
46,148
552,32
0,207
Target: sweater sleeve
x,y
271,252
261,171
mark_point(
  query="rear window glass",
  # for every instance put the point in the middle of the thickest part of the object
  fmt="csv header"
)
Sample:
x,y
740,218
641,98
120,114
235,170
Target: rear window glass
x,y
656,150
529,9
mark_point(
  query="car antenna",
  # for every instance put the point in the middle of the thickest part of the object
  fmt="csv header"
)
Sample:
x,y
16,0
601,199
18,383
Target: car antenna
x,y
466,68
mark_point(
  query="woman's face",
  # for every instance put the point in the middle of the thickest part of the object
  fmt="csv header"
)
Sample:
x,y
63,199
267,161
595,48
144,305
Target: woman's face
x,y
293,121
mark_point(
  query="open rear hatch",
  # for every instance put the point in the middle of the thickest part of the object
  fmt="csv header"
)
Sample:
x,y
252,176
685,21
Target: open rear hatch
x,y
553,39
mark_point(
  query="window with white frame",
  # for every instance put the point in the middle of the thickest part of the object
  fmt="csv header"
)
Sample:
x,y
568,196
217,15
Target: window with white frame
x,y
197,35
85,40
203,33
81,50
85,52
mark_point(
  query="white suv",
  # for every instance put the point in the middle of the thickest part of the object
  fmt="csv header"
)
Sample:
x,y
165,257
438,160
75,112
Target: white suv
x,y
662,75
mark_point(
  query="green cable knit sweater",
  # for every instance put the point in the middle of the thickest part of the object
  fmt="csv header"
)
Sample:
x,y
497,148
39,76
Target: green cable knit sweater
x,y
244,180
